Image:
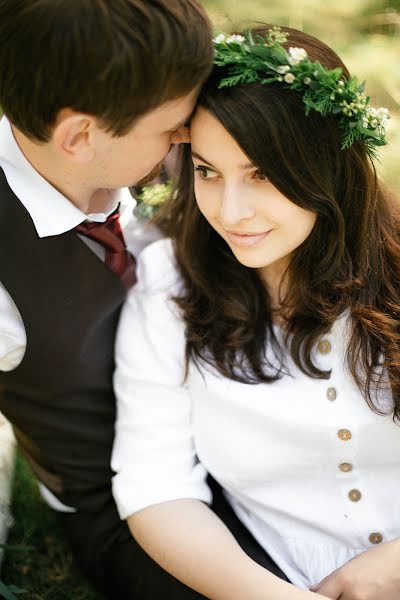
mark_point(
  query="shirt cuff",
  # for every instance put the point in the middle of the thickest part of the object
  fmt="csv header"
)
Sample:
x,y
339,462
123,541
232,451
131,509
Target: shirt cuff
x,y
132,495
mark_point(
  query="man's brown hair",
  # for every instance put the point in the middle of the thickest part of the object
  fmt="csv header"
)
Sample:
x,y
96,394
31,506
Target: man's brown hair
x,y
113,59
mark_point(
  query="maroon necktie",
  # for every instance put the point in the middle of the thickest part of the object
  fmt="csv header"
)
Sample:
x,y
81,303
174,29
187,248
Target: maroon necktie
x,y
109,235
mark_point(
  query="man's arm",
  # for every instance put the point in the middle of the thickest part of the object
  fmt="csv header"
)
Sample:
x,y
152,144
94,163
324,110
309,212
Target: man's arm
x,y
12,333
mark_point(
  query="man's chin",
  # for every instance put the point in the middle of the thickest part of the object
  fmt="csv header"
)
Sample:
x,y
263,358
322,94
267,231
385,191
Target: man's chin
x,y
150,177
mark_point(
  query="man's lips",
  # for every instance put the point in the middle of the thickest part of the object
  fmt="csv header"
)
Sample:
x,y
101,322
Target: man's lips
x,y
245,240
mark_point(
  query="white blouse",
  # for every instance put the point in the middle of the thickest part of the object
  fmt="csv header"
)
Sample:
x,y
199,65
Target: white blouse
x,y
310,470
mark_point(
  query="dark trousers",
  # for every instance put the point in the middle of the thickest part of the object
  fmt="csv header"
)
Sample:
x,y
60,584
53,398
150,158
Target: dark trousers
x,y
117,566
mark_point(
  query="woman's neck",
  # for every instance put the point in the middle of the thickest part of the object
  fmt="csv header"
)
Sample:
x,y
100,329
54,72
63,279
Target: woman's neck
x,y
273,277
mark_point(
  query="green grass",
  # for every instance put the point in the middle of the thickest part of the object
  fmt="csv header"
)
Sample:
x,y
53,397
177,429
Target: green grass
x,y
37,558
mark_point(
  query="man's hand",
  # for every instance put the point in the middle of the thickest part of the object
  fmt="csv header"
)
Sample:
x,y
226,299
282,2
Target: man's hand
x,y
372,575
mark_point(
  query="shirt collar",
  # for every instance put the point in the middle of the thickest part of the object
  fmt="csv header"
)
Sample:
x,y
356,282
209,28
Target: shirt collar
x,y
51,212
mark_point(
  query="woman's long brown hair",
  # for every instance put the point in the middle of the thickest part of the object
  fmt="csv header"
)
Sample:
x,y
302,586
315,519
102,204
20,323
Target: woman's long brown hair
x,y
349,264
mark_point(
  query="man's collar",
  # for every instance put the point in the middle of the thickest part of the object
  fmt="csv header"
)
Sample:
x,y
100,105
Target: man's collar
x,y
51,212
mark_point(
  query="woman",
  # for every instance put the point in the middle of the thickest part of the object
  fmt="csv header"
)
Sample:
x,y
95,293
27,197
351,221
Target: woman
x,y
262,342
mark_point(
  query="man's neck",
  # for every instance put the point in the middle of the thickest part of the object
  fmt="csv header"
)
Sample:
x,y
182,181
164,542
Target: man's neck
x,y
63,176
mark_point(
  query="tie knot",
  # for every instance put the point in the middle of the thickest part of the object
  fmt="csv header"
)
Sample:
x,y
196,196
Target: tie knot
x,y
109,235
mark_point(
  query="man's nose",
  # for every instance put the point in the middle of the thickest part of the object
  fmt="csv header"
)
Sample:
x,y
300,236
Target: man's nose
x,y
181,136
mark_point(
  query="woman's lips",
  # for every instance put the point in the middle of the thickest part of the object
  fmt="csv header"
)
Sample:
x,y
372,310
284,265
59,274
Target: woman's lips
x,y
245,240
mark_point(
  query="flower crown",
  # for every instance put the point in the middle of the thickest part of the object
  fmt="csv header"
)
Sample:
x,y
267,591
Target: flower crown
x,y
263,59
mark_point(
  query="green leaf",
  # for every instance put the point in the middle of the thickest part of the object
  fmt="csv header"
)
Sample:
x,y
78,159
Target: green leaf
x,y
263,52
17,548
8,592
314,85
279,54
371,133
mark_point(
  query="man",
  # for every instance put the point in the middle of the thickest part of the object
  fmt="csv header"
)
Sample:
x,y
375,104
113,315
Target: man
x,y
95,93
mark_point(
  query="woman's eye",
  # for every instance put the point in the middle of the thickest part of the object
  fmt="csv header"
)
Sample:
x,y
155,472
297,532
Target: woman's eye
x,y
260,176
205,173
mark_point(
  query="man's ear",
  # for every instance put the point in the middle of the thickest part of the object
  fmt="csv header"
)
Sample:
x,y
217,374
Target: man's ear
x,y
73,136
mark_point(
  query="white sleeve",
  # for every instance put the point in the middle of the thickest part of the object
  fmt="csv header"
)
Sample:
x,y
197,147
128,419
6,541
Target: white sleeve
x,y
12,333
154,455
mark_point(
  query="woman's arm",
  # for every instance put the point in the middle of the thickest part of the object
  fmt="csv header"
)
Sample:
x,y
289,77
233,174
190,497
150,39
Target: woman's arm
x,y
189,541
373,575
160,486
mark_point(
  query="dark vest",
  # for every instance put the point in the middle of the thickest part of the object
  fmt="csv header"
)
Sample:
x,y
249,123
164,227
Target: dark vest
x,y
60,398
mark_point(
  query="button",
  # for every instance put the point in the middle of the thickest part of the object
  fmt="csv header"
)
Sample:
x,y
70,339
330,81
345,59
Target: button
x,y
355,495
375,538
346,467
324,346
331,393
344,434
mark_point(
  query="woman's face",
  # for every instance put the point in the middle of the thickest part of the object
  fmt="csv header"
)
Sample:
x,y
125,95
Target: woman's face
x,y
260,225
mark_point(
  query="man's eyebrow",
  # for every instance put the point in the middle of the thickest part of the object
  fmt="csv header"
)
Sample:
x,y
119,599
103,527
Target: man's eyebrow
x,y
246,167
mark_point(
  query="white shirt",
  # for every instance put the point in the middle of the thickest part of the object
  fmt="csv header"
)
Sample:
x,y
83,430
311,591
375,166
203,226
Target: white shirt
x,y
52,214
310,470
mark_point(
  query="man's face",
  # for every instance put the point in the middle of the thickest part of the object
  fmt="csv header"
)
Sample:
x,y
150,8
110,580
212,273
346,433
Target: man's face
x,y
124,161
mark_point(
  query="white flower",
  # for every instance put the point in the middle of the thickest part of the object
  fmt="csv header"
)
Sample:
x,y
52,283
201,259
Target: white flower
x,y
376,117
282,69
289,78
307,80
276,35
220,38
235,39
296,55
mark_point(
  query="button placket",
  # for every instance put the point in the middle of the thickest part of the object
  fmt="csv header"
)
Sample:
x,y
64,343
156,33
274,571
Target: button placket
x,y
324,350
354,494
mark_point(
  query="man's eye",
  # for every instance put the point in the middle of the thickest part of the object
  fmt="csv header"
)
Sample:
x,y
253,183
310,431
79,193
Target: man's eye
x,y
205,173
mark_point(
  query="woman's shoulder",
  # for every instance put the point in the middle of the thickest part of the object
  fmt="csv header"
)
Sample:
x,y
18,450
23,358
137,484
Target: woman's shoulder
x,y
157,270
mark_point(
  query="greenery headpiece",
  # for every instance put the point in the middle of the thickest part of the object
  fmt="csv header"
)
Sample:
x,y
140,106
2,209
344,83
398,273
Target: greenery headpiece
x,y
263,59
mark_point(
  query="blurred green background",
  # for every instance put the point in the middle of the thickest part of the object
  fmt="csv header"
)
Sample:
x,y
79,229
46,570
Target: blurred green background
x,y
365,34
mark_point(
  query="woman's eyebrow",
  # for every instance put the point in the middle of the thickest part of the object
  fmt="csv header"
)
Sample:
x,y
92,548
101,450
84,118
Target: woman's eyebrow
x,y
245,167
199,157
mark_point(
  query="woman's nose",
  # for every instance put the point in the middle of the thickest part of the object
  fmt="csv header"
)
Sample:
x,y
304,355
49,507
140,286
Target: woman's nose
x,y
235,206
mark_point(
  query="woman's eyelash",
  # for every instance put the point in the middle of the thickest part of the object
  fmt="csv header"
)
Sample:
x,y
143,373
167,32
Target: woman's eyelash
x,y
203,170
